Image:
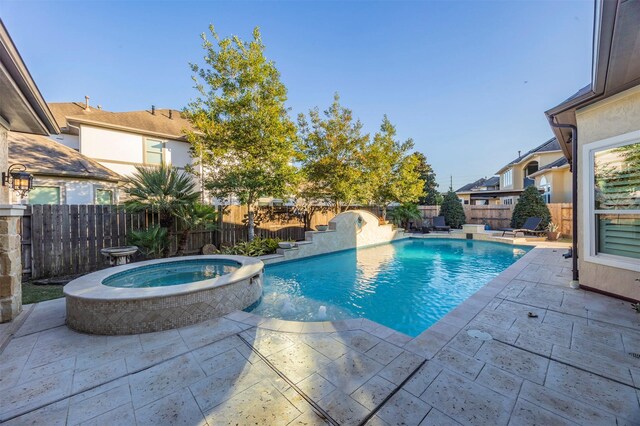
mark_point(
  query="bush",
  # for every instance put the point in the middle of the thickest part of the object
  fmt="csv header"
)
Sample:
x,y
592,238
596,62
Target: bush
x,y
403,214
452,210
152,242
257,247
530,204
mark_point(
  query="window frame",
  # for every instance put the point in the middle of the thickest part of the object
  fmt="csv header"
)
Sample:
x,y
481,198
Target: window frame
x,y
105,189
509,173
162,151
589,220
60,202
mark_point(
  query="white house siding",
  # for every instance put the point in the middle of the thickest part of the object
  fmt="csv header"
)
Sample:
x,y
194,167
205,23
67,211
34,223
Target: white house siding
x,y
72,141
177,153
72,191
111,145
614,116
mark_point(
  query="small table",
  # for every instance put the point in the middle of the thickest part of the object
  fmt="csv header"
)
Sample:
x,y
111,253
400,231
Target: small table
x,y
119,255
472,228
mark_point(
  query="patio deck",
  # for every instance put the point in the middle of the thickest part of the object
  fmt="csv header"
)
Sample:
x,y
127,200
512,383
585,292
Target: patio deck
x,y
486,362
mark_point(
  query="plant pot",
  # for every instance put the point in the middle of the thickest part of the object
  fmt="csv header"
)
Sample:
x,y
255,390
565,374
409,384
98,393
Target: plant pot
x,y
553,236
322,228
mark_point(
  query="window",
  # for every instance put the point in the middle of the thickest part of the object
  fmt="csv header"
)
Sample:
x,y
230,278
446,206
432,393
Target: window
x,y
507,201
546,187
44,195
612,202
153,153
104,196
507,178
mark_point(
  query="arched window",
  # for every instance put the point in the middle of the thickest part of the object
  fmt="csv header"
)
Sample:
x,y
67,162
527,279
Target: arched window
x,y
545,185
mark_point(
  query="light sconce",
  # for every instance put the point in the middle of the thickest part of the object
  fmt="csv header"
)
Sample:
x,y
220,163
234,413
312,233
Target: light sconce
x,y
21,181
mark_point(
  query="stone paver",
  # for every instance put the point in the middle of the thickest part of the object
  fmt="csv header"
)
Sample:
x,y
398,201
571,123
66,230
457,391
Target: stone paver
x,y
487,362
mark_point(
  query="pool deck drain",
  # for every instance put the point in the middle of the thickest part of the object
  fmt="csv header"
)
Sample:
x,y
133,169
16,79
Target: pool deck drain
x,y
570,365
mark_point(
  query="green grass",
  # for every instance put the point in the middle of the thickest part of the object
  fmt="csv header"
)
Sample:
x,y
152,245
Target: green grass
x,y
32,293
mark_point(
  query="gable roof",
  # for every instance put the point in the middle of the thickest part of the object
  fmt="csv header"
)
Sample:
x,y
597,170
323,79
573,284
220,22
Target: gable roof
x,y
164,123
21,104
549,146
560,162
492,181
44,156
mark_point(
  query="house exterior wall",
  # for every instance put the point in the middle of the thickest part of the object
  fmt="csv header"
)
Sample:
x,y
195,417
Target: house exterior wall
x,y
122,151
5,195
72,141
614,116
72,190
560,181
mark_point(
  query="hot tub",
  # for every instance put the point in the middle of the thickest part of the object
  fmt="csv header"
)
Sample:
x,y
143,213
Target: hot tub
x,y
162,294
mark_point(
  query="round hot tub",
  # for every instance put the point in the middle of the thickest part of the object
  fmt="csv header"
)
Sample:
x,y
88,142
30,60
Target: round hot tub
x,y
162,294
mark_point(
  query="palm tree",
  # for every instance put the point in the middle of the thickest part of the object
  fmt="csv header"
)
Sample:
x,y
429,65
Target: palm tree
x,y
402,214
193,216
163,190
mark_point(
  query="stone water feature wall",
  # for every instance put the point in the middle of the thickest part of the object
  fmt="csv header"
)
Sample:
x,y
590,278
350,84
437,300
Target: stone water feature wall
x,y
347,230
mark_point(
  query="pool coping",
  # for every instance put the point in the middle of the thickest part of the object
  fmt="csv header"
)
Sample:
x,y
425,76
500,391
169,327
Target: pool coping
x,y
429,341
90,286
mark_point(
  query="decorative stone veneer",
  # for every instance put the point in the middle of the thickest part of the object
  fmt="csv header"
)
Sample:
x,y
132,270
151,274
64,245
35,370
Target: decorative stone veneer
x,y
98,309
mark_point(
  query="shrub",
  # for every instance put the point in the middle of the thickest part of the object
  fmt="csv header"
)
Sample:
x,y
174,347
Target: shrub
x,y
452,210
151,242
257,247
530,204
402,214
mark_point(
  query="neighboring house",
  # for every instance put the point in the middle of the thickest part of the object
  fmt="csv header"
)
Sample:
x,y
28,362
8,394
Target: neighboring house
x,y
554,181
599,131
480,192
22,109
61,175
122,140
516,176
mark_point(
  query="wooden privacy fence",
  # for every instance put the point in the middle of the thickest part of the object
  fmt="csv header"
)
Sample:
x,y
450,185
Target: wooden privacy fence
x,y
62,240
499,215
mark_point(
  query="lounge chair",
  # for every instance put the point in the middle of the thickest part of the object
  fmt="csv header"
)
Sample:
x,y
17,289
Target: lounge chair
x,y
439,225
530,226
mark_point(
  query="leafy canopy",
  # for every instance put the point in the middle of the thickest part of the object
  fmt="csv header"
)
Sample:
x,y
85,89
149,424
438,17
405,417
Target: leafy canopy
x,y
530,204
392,174
243,135
430,196
331,152
452,210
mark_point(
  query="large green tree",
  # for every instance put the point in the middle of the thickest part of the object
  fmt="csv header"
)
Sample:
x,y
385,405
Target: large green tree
x,y
530,204
452,210
242,135
331,153
431,196
391,172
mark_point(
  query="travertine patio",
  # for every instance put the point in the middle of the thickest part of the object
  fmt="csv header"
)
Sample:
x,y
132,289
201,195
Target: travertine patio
x,y
487,362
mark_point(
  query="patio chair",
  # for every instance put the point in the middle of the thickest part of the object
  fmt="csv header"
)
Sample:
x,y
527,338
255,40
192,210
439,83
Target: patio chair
x,y
439,225
530,226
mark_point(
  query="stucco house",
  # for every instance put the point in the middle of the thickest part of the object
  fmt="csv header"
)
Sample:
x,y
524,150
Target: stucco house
x,y
61,175
516,175
554,181
22,109
480,192
122,140
599,133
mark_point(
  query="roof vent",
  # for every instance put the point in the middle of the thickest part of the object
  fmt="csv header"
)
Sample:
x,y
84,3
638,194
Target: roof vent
x,y
153,109
170,114
518,154
99,107
86,103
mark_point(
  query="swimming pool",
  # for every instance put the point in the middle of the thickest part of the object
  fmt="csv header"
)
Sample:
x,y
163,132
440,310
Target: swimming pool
x,y
407,285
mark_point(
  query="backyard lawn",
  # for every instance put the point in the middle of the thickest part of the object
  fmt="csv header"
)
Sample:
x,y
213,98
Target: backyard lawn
x,y
32,293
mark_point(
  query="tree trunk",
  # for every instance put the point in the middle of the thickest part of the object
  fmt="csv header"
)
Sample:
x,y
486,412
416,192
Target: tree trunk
x,y
182,243
166,221
250,222
384,212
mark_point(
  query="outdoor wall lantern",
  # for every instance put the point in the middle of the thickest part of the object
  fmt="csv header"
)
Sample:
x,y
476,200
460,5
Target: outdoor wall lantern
x,y
21,181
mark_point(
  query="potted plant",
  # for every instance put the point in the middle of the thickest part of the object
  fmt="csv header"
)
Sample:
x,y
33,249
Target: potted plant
x,y
553,231
322,228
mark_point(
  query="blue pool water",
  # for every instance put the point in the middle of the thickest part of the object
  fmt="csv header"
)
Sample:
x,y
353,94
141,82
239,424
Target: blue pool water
x,y
407,285
171,273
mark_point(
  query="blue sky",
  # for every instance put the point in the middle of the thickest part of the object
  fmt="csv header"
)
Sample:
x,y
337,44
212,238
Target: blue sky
x,y
468,81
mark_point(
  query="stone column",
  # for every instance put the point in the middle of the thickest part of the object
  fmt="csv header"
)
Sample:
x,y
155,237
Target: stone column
x,y
10,250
